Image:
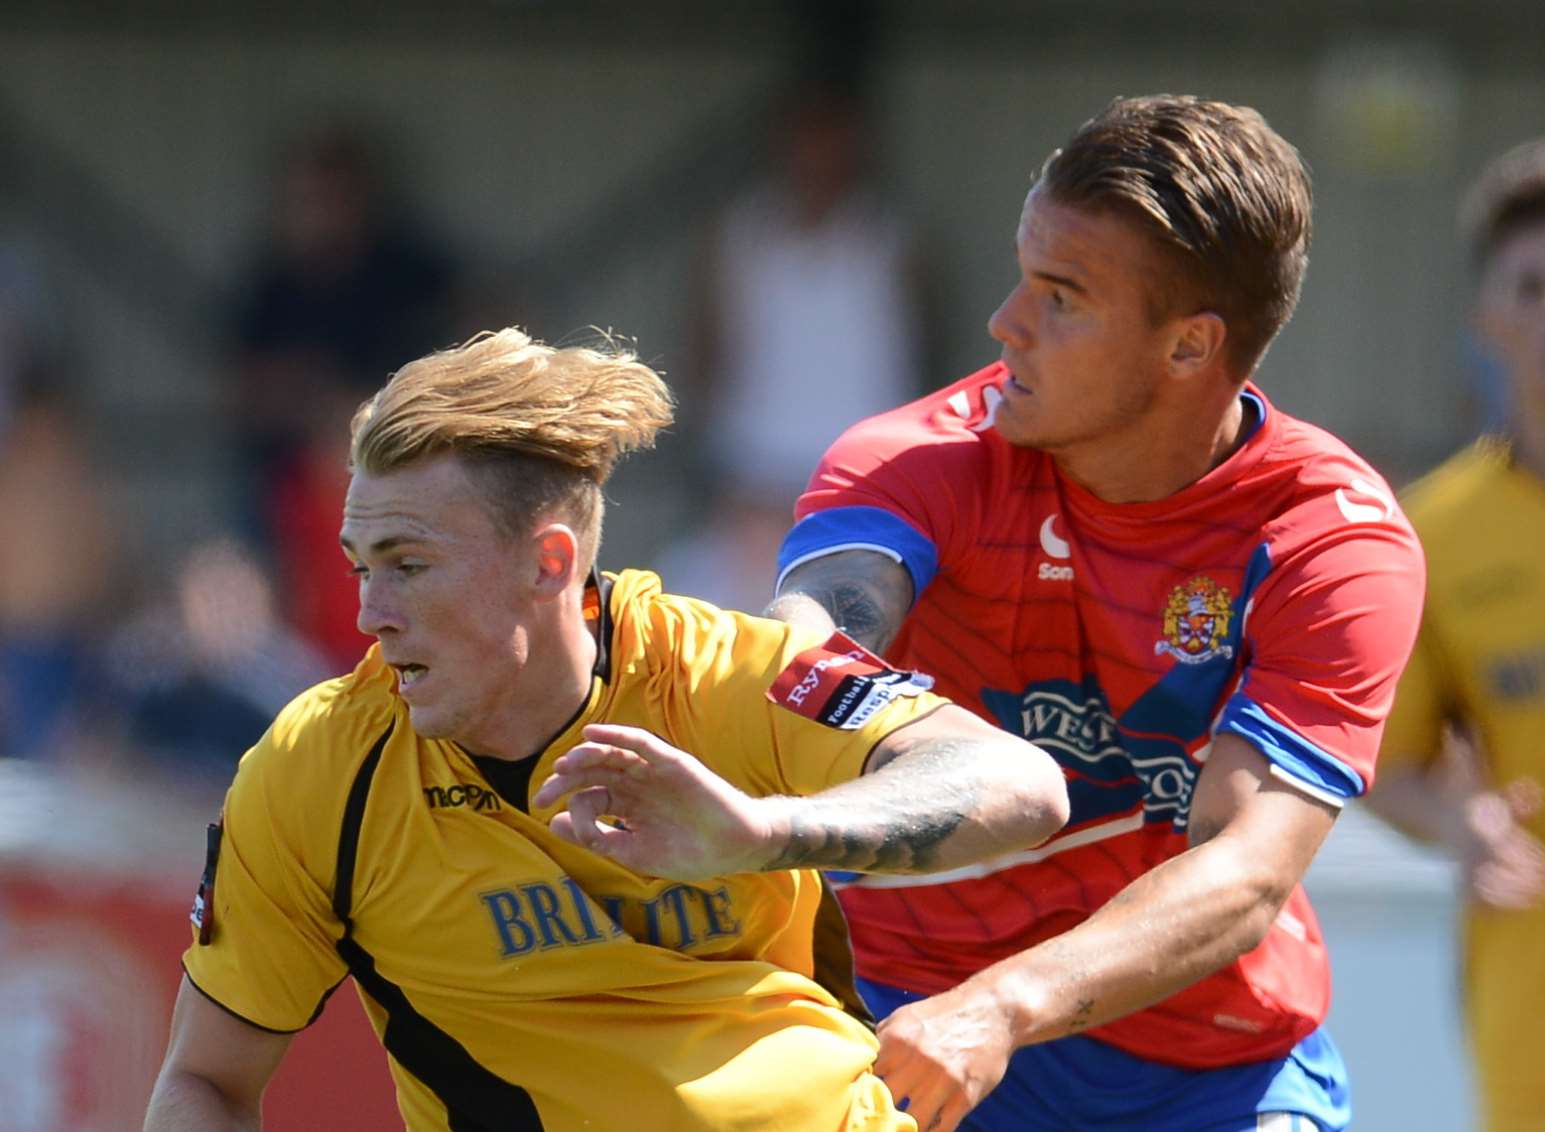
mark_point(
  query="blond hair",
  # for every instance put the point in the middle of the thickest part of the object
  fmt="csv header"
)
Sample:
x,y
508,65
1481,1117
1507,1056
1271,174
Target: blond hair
x,y
1223,197
540,427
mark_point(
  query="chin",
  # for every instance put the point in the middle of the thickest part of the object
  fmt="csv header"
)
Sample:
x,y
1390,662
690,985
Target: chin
x,y
428,723
1018,433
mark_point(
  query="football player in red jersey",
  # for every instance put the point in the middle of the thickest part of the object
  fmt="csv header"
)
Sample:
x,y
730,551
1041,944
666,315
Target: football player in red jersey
x,y
1111,543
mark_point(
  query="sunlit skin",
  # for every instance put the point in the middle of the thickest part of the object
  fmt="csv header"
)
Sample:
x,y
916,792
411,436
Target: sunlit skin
x,y
486,631
1510,321
1132,409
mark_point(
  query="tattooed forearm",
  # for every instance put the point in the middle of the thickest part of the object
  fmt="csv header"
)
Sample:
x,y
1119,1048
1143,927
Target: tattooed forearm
x,y
899,820
866,594
1082,1014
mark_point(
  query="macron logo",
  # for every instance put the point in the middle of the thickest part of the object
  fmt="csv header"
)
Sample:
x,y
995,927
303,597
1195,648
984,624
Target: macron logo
x,y
1055,547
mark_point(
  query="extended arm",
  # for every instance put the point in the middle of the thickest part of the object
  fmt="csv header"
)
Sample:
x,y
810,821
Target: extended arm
x,y
1252,840
862,592
215,1070
942,791
1447,802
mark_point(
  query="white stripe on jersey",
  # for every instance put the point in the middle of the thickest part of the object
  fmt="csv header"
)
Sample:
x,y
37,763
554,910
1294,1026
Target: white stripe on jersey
x,y
1282,1122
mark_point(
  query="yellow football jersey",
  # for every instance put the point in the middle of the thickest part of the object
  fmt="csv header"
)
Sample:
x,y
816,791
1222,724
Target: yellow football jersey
x,y
521,982
1480,660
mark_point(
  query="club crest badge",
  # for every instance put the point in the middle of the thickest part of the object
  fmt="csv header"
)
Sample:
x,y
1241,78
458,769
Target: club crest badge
x,y
1196,622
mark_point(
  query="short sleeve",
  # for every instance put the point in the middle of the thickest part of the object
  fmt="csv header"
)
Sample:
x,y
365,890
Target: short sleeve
x,y
786,714
270,958
888,484
1328,638
1414,734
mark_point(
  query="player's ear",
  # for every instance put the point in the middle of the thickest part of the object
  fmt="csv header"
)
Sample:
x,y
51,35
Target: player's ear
x,y
557,558
1196,344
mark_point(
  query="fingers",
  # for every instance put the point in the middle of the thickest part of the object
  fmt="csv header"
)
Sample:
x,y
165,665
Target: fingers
x,y
918,1085
1513,876
581,823
640,742
591,764
1525,797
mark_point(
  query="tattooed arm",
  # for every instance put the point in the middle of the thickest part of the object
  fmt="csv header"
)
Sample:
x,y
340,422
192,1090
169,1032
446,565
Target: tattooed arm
x,y
942,791
1252,838
862,592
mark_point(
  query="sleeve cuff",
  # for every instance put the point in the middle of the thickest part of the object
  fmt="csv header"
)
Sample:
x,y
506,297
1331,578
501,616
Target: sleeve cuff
x,y
1293,758
860,528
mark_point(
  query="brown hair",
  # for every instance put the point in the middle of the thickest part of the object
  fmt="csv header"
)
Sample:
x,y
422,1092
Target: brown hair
x,y
1508,195
542,427
1224,198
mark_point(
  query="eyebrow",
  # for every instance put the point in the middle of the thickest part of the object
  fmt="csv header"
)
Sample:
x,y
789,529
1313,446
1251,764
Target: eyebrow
x,y
380,546
1061,281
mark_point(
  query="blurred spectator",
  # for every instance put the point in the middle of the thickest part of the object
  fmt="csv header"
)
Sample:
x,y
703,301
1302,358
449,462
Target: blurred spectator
x,y
810,317
200,677
1480,663
346,290
56,565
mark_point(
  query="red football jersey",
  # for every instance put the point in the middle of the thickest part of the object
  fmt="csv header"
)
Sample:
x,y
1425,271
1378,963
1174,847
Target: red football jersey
x,y
1277,598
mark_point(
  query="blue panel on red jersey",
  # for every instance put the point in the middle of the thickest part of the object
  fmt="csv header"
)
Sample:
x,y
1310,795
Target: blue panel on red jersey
x,y
1074,725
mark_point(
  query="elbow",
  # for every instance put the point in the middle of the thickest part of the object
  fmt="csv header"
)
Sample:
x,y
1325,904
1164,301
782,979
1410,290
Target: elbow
x,y
1047,807
1262,892
1057,809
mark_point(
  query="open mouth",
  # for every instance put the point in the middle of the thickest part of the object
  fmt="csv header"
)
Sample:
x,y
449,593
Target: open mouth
x,y
409,675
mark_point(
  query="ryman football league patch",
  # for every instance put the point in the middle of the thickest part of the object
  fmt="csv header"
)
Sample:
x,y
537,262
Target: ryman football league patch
x,y
203,913
842,684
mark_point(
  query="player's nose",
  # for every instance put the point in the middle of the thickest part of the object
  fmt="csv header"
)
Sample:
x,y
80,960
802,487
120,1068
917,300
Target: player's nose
x,y
1007,324
377,614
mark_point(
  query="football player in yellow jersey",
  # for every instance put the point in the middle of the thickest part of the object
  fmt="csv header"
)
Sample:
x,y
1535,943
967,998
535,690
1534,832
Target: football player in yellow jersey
x,y
1479,664
563,829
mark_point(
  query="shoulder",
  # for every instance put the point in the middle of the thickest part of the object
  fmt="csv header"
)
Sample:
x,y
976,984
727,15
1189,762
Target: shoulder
x,y
1322,490
694,638
942,439
318,741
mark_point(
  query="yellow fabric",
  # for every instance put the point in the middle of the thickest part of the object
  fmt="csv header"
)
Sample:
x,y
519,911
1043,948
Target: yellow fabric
x,y
508,939
1480,660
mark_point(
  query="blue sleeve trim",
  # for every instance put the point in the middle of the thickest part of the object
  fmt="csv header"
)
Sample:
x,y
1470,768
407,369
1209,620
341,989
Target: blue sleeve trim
x,y
1298,758
861,528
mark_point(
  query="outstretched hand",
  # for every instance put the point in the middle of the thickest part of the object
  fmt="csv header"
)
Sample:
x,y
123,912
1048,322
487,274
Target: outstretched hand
x,y
655,809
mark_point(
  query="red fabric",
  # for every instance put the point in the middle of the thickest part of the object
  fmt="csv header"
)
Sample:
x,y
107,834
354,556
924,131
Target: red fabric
x,y
320,596
1114,636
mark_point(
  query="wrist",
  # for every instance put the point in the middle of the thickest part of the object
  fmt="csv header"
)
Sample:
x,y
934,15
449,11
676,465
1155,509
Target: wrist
x,y
1016,1001
773,843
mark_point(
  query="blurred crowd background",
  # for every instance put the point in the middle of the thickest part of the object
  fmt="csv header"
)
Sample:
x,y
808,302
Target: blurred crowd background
x,y
222,226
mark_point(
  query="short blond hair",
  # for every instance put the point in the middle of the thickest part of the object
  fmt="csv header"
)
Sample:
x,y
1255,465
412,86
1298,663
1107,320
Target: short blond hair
x,y
540,427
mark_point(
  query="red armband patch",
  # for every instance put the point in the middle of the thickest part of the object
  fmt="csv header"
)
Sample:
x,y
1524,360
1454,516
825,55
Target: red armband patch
x,y
203,913
842,684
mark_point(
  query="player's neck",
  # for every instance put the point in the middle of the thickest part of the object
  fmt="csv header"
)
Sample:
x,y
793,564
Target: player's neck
x,y
555,687
1161,454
